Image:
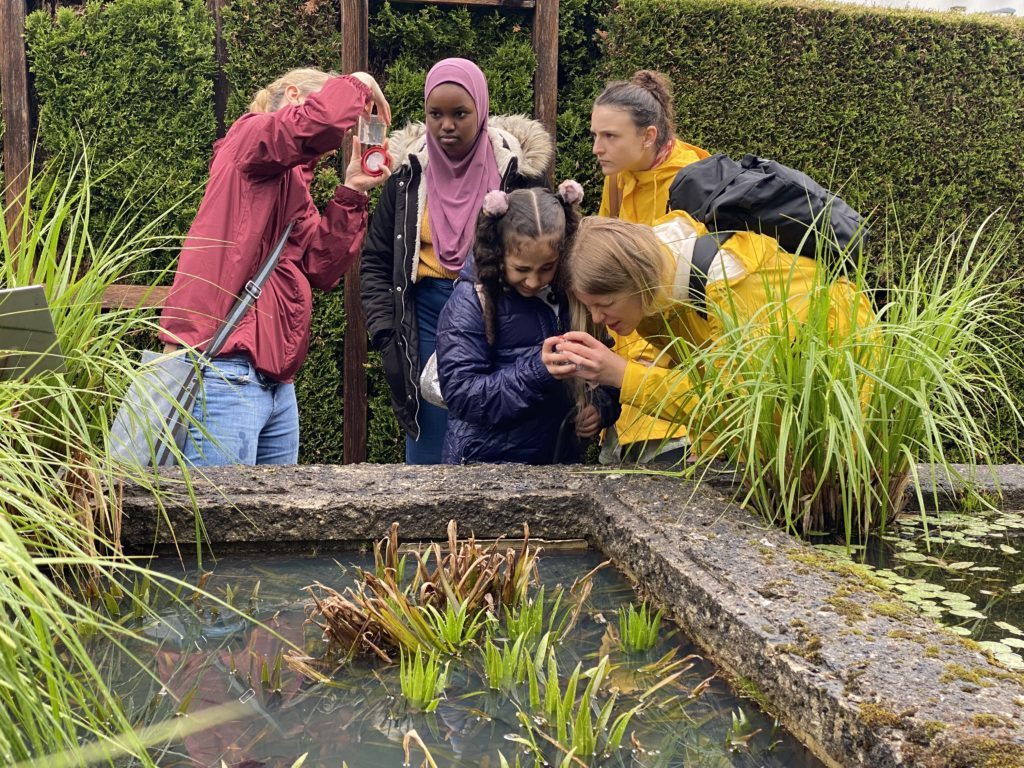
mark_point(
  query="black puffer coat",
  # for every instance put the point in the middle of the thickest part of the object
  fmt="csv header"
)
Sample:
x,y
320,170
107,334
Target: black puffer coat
x,y
523,149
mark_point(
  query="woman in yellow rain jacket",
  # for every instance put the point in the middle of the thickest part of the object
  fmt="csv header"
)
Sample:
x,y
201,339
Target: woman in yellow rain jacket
x,y
638,278
633,128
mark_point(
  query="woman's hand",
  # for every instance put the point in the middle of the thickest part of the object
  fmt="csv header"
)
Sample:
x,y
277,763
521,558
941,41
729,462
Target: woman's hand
x,y
358,179
554,360
376,95
588,359
588,422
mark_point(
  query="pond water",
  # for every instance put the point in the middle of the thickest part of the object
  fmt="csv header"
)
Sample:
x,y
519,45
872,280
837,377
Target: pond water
x,y
965,569
359,717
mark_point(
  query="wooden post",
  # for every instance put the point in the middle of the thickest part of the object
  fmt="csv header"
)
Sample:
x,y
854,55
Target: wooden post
x,y
221,88
354,56
14,91
545,81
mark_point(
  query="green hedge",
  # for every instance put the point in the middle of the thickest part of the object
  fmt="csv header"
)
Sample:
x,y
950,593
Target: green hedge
x,y
897,106
900,107
134,80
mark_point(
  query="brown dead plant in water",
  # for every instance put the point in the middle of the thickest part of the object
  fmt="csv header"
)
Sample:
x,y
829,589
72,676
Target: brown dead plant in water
x,y
382,612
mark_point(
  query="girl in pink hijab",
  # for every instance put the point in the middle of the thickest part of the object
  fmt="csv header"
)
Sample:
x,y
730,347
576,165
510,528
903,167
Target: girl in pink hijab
x,y
421,234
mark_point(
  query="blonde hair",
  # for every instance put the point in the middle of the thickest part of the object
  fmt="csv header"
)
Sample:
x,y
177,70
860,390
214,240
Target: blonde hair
x,y
306,79
612,256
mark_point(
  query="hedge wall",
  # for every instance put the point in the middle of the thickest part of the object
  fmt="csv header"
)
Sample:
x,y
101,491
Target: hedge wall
x,y
897,106
134,80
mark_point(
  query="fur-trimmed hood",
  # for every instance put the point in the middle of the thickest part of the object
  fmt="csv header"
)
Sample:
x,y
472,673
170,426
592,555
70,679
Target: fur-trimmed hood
x,y
511,136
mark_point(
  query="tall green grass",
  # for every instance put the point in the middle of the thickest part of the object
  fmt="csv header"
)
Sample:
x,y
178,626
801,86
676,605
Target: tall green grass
x,y
59,496
827,429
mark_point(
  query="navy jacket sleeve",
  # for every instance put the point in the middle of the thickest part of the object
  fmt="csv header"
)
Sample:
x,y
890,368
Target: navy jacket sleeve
x,y
474,389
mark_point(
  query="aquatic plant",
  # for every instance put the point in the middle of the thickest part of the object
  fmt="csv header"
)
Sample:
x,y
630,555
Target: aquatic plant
x,y
638,629
577,729
513,663
423,678
384,611
827,429
453,628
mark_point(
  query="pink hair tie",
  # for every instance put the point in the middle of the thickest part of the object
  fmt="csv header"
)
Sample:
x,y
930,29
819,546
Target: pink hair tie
x,y
495,203
571,191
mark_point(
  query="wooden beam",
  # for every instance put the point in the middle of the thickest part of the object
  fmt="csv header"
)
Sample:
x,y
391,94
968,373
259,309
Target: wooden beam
x,y
119,296
14,91
545,81
221,87
355,18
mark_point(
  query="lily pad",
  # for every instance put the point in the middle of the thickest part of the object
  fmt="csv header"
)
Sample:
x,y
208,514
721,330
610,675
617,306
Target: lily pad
x,y
963,565
968,613
1007,549
993,647
911,557
1012,660
1013,642
1009,628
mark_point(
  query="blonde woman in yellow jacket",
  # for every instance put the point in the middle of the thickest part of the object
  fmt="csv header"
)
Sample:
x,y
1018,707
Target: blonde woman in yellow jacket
x,y
637,278
633,128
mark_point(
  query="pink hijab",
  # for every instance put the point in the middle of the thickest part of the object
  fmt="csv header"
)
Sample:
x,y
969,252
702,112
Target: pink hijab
x,y
456,188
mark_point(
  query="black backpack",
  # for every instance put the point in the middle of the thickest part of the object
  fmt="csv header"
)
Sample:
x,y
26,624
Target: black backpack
x,y
763,196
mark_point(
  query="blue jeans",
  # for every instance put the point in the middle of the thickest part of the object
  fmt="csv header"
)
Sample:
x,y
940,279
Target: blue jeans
x,y
248,418
430,295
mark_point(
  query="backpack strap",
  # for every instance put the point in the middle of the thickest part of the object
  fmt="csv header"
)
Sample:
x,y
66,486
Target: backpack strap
x,y
614,196
704,252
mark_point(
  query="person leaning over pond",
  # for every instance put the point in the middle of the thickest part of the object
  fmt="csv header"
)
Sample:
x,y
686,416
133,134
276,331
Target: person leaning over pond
x,y
503,404
633,128
422,229
260,176
633,277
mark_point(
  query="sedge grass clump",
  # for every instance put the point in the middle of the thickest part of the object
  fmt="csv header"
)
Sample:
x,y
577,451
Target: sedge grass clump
x,y
638,628
580,725
385,611
513,662
453,628
826,426
445,603
423,678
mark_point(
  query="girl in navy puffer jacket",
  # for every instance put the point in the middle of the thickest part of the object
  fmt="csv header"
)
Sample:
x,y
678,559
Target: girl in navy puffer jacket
x,y
503,405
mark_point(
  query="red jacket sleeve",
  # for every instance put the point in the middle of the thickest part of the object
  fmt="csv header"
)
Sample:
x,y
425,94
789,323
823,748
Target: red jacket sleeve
x,y
337,239
273,142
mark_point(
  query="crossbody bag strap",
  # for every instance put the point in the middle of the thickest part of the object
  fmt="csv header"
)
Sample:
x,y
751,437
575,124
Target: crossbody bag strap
x,y
250,293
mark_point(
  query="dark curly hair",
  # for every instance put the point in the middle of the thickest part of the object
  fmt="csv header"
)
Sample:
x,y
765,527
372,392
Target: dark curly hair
x,y
534,214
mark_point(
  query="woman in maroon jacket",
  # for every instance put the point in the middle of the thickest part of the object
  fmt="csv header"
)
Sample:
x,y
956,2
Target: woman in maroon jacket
x,y
260,175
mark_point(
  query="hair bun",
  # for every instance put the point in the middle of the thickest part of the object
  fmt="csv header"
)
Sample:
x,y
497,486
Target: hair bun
x,y
571,191
495,203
